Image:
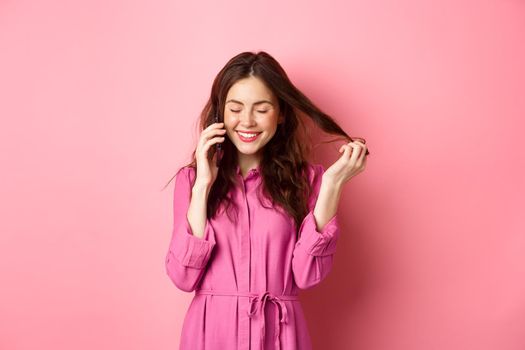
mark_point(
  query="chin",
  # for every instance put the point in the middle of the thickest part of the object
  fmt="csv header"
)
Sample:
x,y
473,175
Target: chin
x,y
249,152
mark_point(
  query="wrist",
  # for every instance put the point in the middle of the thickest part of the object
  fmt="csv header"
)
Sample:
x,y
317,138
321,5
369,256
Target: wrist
x,y
330,182
201,187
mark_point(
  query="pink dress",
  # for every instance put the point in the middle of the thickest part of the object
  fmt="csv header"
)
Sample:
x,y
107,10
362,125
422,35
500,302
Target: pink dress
x,y
247,277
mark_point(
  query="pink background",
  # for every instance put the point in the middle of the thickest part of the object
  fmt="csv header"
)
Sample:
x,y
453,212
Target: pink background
x,y
99,101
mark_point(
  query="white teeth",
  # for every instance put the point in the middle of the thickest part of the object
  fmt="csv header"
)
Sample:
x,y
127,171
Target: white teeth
x,y
247,135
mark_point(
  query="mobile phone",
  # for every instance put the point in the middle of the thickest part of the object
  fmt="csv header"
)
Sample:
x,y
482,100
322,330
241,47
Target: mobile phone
x,y
218,148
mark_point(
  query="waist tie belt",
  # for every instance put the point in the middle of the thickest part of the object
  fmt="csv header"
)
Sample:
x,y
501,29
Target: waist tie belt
x,y
261,299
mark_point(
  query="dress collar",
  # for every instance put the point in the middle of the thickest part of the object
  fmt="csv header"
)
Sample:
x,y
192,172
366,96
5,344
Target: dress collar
x,y
254,171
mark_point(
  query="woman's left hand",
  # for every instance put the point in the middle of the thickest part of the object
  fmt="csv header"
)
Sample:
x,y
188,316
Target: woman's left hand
x,y
351,163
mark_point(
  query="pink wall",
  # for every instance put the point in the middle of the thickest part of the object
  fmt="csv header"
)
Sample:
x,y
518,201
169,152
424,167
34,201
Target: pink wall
x,y
98,103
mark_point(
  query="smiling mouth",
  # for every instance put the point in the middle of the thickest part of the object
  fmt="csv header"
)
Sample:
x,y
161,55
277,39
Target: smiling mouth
x,y
248,136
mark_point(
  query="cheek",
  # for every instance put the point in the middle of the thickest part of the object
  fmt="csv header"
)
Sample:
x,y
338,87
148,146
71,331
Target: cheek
x,y
228,125
230,128
271,122
229,121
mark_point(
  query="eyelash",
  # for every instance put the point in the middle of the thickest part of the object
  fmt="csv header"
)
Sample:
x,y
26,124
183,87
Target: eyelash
x,y
239,111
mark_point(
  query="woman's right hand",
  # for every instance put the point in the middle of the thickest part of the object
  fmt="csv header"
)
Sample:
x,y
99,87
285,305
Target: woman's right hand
x,y
206,168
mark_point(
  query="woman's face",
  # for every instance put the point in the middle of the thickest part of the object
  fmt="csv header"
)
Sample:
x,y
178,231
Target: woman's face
x,y
251,108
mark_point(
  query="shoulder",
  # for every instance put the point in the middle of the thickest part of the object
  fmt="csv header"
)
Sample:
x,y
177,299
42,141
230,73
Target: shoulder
x,y
186,174
314,172
315,176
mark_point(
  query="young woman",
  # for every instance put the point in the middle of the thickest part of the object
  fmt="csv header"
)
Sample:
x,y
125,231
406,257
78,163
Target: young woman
x,y
250,233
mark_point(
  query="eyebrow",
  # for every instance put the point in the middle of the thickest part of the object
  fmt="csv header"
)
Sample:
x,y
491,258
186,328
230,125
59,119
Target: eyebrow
x,y
255,103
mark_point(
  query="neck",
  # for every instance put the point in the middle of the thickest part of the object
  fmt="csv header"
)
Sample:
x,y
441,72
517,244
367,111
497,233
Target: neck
x,y
247,162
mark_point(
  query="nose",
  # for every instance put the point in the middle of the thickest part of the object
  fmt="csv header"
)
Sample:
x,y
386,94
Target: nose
x,y
246,118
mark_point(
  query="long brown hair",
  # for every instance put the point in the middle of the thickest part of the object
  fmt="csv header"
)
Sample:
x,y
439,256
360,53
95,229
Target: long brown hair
x,y
285,157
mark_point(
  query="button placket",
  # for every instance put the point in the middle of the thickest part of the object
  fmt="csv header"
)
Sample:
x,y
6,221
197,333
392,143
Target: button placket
x,y
244,280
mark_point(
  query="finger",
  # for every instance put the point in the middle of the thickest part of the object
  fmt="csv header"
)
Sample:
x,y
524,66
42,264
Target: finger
x,y
361,141
209,133
213,141
214,132
364,152
347,149
363,147
205,143
214,126
355,152
210,143
361,162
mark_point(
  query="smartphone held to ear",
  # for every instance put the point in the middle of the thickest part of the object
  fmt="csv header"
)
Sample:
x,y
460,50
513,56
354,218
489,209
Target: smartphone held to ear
x,y
218,146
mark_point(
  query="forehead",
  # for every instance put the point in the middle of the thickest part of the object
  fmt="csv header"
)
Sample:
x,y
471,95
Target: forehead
x,y
249,90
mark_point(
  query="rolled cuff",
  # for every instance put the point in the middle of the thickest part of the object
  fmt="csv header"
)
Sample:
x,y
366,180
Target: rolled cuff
x,y
190,250
318,243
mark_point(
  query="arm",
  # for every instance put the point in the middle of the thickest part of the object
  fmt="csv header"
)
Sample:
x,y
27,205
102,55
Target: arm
x,y
314,251
189,250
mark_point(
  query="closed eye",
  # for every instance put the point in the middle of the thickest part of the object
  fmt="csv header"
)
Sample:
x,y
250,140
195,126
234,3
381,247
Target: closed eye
x,y
234,111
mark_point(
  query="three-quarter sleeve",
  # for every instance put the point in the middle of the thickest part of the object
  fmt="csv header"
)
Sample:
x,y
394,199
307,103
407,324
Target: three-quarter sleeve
x,y
188,255
313,253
